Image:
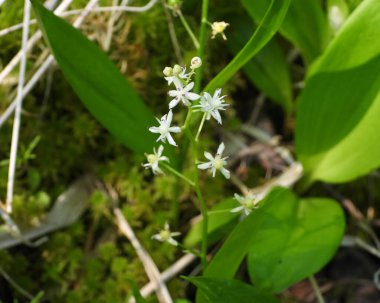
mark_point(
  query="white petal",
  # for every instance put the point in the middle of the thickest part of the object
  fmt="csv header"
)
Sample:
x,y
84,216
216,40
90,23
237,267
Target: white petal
x,y
217,93
177,83
163,158
175,129
154,129
169,118
209,156
206,165
237,209
220,148
172,242
189,87
213,171
175,234
216,116
160,150
169,79
157,237
173,103
173,93
207,97
192,96
167,226
225,172
238,198
171,140
157,171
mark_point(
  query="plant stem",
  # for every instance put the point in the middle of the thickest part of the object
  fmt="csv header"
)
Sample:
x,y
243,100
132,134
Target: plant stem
x,y
187,120
200,127
188,29
202,43
178,174
317,291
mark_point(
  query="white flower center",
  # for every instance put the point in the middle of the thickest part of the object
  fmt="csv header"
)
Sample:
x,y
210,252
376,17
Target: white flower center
x,y
163,129
165,234
218,163
248,203
152,158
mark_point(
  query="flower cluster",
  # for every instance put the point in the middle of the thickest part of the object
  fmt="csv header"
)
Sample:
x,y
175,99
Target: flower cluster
x,y
209,104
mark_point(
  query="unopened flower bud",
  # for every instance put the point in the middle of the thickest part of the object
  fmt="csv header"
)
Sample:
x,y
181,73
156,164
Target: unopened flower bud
x,y
177,70
196,62
168,71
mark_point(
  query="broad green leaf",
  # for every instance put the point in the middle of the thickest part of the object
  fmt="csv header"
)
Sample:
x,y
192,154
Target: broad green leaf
x,y
296,238
305,24
338,125
268,70
266,30
230,291
220,222
97,82
285,233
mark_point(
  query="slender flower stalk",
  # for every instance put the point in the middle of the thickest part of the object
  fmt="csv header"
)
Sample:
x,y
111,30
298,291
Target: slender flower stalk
x,y
202,42
178,174
188,29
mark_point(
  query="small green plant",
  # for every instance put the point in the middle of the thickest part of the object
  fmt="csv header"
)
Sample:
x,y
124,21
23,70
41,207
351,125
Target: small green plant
x,y
283,234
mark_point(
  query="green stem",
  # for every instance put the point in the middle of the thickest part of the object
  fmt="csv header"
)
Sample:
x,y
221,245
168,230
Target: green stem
x,y
178,174
188,117
317,291
200,127
202,43
188,29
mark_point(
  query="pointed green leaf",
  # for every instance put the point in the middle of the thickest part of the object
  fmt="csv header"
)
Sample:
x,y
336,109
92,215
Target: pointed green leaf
x,y
220,222
268,70
305,24
230,291
297,238
338,125
267,28
287,239
97,82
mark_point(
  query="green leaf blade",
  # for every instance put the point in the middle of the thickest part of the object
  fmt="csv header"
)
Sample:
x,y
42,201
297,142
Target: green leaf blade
x,y
230,291
274,237
266,30
337,137
304,25
98,83
268,69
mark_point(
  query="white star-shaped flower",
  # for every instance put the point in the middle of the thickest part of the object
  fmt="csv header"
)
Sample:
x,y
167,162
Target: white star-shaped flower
x,y
216,163
181,75
212,105
182,93
247,204
165,129
154,159
218,28
165,235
